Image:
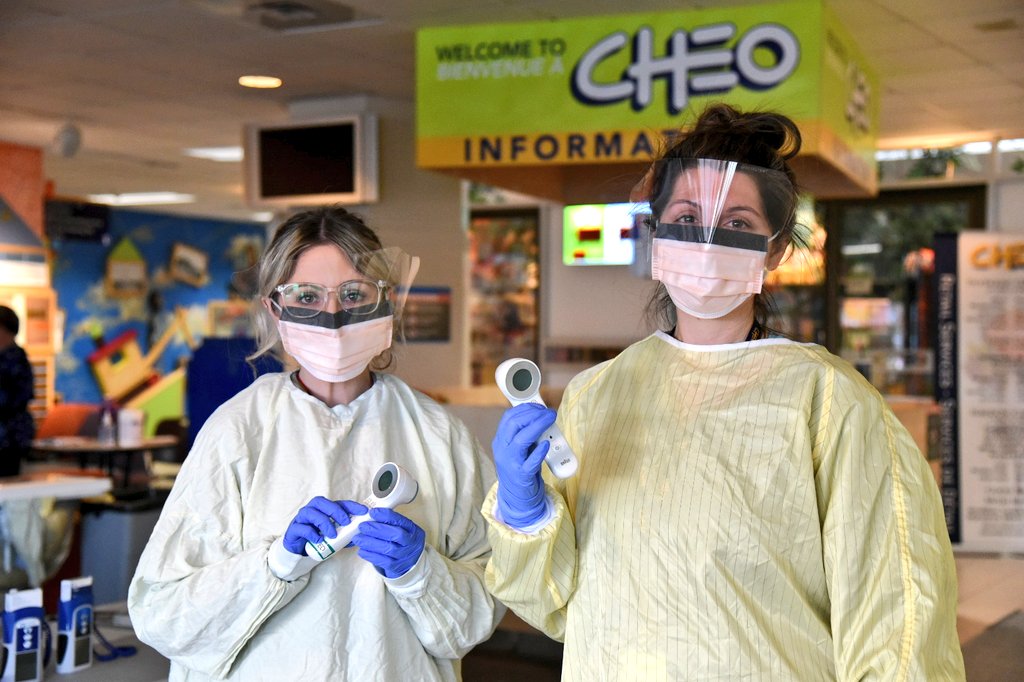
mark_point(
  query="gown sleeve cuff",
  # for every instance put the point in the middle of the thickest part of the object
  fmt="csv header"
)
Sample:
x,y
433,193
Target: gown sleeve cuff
x,y
413,582
285,565
539,524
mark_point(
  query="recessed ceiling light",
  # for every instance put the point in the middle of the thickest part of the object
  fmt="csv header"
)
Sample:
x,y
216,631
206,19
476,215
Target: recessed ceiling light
x,y
259,81
892,154
225,154
861,249
142,198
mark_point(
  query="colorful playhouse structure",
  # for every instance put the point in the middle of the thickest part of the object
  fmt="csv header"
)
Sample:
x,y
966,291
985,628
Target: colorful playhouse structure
x,y
129,378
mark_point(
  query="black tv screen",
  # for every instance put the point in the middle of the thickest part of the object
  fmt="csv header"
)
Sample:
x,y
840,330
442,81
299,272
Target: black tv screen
x,y
312,162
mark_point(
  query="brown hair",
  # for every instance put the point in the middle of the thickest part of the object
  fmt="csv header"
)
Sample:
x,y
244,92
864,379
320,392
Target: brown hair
x,y
764,139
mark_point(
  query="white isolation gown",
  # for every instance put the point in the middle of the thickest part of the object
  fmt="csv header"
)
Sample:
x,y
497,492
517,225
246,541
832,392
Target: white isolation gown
x,y
203,594
751,511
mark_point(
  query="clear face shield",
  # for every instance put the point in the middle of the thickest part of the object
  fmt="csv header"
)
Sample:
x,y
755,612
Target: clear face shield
x,y
380,291
711,239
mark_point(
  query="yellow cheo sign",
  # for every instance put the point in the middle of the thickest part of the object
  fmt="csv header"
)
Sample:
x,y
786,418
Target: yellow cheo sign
x,y
1006,256
574,94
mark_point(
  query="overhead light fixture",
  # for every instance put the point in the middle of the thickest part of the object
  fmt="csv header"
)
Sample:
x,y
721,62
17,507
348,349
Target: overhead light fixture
x,y
861,249
142,198
892,154
306,16
263,82
977,148
223,154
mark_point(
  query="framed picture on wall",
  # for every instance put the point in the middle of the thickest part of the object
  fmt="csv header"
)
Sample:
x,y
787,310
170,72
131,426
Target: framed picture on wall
x,y
189,265
126,273
229,319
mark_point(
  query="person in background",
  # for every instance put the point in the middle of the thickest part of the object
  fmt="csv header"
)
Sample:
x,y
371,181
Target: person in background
x,y
746,507
224,587
17,386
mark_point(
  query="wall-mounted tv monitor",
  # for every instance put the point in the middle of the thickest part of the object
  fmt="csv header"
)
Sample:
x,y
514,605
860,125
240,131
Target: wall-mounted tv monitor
x,y
600,234
310,163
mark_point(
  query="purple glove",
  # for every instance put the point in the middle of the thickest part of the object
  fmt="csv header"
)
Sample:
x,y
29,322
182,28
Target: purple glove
x,y
316,521
517,459
389,541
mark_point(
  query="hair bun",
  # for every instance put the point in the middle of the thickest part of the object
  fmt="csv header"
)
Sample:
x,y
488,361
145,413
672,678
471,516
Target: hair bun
x,y
770,131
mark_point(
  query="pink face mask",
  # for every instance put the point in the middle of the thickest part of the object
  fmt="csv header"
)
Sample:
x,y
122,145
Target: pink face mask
x,y
707,280
340,354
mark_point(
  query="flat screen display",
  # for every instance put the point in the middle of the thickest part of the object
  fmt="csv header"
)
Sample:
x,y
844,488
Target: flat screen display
x,y
600,234
312,162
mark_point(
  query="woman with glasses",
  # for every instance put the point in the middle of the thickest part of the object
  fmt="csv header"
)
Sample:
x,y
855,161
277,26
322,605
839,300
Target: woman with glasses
x,y
746,507
228,587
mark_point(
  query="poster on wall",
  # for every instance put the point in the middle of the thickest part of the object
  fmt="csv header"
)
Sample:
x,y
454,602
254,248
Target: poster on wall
x,y
981,358
126,273
189,265
229,319
427,314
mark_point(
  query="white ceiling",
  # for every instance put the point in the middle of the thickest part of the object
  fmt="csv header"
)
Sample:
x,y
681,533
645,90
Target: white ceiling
x,y
144,79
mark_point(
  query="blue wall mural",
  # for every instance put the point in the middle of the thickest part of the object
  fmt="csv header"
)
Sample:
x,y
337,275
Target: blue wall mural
x,y
80,269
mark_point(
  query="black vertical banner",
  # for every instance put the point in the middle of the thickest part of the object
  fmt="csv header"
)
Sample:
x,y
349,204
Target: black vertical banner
x,y
946,372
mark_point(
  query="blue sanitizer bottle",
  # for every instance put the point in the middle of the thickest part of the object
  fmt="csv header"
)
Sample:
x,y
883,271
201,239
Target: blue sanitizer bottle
x,y
74,625
24,622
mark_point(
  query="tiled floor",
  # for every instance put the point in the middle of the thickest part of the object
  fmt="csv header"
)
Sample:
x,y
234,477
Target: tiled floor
x,y
991,588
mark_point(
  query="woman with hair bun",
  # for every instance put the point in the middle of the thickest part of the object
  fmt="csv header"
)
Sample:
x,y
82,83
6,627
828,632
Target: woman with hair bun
x,y
746,507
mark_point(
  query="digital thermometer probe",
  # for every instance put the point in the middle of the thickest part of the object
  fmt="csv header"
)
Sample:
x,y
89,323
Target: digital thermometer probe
x,y
392,486
519,380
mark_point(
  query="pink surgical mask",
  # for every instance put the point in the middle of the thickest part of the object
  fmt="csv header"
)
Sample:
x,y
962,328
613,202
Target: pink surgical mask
x,y
707,281
340,354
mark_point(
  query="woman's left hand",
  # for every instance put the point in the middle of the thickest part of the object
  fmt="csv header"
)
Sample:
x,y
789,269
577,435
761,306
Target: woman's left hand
x,y
389,541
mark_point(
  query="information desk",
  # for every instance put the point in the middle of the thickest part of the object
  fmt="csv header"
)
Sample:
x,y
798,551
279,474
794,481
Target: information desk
x,y
85,448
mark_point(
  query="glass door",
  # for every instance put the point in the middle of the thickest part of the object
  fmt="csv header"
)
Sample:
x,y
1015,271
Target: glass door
x,y
505,274
882,285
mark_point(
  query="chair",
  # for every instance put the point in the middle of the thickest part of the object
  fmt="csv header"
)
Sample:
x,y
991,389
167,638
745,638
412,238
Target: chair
x,y
178,429
70,419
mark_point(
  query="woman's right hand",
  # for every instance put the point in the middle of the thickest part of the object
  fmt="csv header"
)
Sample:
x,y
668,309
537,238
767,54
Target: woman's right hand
x,y
517,459
317,520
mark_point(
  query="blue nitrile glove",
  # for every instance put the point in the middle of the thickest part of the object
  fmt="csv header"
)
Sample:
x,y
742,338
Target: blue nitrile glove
x,y
517,459
314,522
389,541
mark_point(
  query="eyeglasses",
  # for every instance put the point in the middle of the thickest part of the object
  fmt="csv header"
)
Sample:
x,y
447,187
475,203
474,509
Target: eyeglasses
x,y
356,297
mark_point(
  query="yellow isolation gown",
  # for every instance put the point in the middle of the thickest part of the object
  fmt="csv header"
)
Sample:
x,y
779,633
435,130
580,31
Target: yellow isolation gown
x,y
751,511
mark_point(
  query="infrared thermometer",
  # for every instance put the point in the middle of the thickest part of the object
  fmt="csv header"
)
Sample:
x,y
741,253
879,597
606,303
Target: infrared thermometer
x,y
519,380
392,486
